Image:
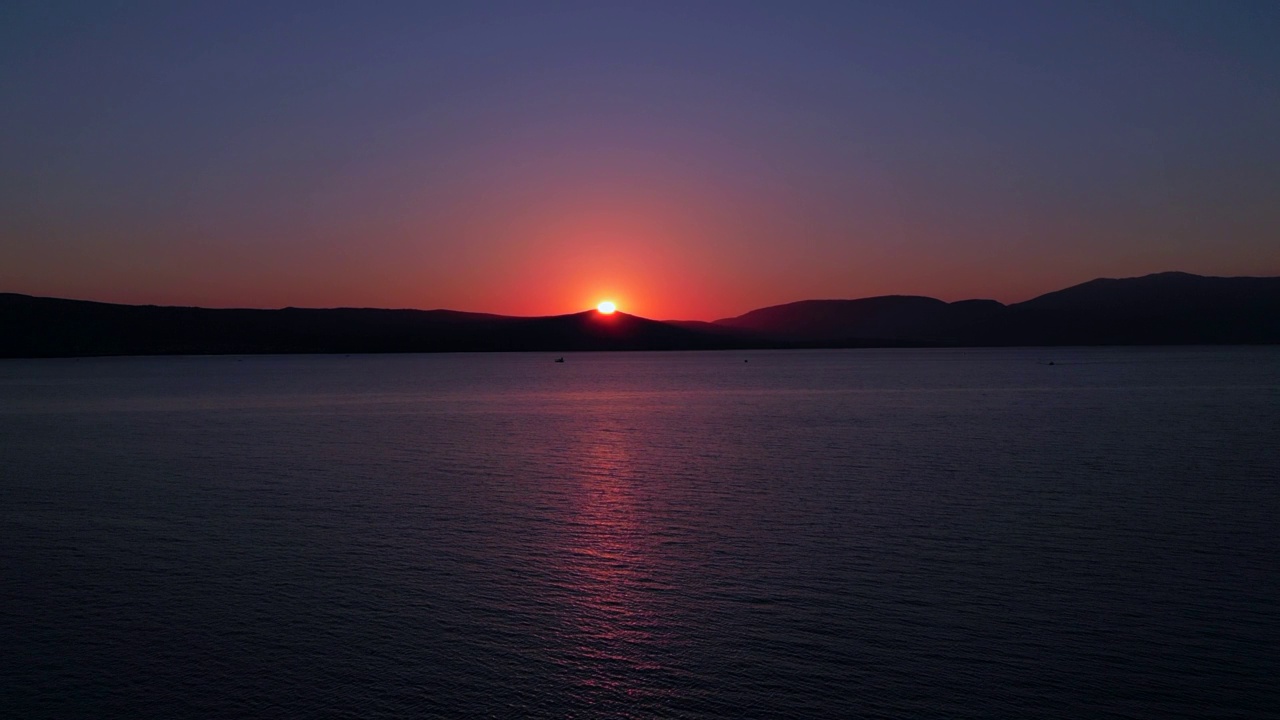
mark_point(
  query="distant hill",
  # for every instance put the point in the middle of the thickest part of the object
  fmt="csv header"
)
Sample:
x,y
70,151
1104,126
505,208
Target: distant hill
x,y
902,318
1167,308
47,327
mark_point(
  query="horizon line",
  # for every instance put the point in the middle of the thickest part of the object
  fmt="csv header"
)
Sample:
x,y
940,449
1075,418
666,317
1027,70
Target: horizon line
x,y
620,310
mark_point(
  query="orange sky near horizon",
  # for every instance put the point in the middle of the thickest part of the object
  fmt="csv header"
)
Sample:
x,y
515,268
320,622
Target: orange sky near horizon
x,y
644,283
561,235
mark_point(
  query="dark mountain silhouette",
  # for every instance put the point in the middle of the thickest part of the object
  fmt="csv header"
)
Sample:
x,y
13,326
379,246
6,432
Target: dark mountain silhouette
x,y
1167,308
47,327
903,318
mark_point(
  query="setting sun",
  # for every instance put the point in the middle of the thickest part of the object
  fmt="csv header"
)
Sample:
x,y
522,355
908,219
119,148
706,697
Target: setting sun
x,y
606,307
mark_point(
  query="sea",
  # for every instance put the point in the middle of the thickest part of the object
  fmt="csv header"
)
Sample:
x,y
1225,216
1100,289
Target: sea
x,y
934,533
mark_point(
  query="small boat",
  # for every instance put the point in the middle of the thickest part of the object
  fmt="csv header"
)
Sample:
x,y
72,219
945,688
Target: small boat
x,y
559,359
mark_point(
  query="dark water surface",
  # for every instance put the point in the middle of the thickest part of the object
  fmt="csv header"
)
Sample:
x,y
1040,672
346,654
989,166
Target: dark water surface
x,y
809,534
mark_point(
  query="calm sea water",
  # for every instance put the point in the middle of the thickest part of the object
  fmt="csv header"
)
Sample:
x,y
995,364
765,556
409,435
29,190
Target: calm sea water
x,y
808,534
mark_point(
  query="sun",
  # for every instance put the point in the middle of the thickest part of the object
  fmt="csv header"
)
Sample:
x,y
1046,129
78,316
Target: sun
x,y
606,307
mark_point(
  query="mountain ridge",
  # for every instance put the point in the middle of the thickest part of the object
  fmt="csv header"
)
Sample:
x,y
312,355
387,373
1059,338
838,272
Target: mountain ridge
x,y
1161,308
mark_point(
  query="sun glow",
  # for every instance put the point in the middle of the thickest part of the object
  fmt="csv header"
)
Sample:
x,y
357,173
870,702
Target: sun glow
x,y
606,308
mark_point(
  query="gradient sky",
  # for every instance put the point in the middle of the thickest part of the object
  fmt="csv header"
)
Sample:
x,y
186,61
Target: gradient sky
x,y
688,159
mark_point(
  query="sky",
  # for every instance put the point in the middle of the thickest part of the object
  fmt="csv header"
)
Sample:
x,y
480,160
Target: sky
x,y
688,160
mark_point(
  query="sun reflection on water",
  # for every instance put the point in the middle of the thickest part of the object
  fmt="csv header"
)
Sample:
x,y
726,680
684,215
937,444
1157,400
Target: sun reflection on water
x,y
612,580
